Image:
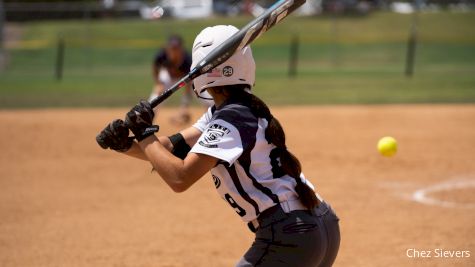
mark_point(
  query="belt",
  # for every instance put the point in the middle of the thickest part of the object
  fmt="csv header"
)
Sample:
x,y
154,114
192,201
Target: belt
x,y
275,213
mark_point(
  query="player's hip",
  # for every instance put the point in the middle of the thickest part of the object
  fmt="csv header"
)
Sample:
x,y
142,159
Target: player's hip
x,y
299,238
294,222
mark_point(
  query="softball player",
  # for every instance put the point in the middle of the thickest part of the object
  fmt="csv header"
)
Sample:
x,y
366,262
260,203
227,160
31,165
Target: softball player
x,y
244,147
169,65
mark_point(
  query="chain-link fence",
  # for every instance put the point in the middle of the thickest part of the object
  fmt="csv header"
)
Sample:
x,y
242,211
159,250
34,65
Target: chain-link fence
x,y
334,59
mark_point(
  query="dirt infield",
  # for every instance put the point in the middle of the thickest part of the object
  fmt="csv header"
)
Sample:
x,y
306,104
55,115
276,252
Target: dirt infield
x,y
66,202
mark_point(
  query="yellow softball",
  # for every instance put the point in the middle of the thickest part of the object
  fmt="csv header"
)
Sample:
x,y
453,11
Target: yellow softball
x,y
387,146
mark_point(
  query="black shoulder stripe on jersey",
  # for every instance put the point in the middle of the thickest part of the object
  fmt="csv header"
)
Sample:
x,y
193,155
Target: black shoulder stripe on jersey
x,y
232,172
242,118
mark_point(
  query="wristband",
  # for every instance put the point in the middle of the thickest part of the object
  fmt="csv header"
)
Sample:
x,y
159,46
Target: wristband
x,y
180,147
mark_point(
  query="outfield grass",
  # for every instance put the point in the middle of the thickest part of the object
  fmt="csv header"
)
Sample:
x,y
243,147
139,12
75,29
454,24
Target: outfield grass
x,y
350,60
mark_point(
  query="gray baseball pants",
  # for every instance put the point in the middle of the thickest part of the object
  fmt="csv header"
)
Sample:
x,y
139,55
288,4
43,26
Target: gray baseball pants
x,y
297,239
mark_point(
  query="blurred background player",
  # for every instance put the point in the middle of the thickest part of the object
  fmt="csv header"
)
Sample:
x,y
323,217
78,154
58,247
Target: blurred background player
x,y
170,64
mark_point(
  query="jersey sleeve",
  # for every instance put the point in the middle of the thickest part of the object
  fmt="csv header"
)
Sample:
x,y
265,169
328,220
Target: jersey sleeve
x,y
204,120
160,58
186,65
221,140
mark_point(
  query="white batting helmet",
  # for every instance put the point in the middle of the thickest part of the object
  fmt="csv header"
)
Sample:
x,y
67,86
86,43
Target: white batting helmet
x,y
240,68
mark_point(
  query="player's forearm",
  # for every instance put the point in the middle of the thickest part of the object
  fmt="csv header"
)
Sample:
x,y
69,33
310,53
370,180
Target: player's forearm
x,y
136,152
155,77
169,167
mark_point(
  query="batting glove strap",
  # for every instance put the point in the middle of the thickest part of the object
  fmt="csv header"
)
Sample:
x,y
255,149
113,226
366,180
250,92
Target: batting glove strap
x,y
141,134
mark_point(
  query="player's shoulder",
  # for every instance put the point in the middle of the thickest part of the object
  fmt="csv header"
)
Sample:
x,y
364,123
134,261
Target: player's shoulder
x,y
233,111
161,54
187,56
237,114
239,120
187,60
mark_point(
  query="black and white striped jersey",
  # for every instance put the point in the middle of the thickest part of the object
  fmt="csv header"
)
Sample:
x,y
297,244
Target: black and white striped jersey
x,y
247,175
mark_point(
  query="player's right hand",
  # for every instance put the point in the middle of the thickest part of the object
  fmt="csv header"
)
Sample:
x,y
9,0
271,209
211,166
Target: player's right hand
x,y
115,136
140,120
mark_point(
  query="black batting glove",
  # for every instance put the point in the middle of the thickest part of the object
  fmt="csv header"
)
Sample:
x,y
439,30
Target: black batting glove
x,y
140,120
115,136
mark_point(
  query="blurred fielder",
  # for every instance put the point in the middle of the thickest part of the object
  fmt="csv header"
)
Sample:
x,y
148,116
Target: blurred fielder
x,y
170,64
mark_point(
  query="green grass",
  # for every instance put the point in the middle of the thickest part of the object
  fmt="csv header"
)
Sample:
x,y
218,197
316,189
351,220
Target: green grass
x,y
347,60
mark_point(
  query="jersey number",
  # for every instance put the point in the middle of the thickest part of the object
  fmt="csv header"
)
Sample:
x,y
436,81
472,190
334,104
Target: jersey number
x,y
235,206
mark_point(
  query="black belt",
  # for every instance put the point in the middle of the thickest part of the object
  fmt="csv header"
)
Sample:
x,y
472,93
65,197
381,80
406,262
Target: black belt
x,y
276,213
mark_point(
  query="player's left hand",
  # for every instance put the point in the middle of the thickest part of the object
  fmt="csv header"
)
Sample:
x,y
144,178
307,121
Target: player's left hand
x,y
140,120
115,136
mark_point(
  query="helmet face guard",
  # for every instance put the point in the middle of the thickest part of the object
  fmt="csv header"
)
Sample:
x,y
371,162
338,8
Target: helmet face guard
x,y
240,68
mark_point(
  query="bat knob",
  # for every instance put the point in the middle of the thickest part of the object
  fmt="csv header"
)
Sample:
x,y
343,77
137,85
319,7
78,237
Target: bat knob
x,y
101,141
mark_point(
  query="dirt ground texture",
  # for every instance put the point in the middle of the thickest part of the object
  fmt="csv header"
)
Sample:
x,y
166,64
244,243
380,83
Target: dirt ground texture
x,y
66,202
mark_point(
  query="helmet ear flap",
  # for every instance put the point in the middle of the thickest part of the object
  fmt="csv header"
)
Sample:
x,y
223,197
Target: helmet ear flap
x,y
203,94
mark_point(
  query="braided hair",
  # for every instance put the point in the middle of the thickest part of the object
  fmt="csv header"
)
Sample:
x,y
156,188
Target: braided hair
x,y
275,135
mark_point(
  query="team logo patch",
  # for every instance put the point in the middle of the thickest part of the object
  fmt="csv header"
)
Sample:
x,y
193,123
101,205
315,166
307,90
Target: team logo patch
x,y
217,181
213,135
228,71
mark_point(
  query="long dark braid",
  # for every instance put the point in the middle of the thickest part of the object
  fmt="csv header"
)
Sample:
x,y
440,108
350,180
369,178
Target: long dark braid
x,y
275,134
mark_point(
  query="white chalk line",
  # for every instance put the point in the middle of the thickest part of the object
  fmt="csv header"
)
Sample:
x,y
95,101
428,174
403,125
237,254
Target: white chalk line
x,y
423,195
